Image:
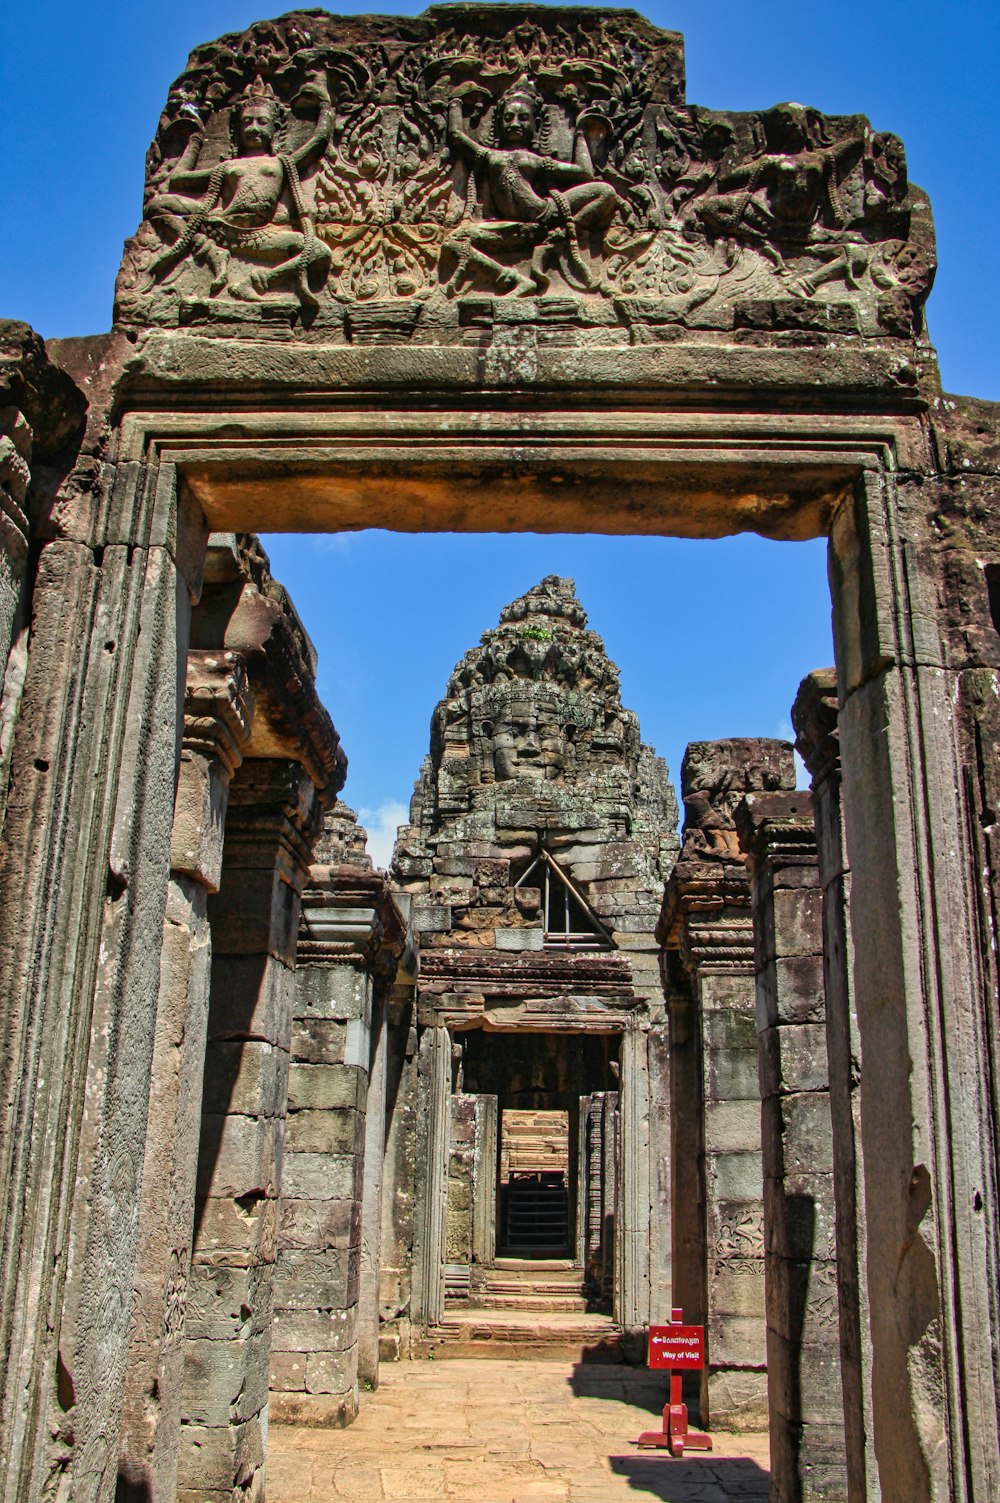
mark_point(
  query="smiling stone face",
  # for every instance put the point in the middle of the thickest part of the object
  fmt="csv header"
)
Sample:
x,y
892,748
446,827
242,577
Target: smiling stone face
x,y
526,735
532,734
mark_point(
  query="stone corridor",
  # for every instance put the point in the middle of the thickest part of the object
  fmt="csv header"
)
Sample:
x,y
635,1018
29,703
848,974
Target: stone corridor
x,y
510,1431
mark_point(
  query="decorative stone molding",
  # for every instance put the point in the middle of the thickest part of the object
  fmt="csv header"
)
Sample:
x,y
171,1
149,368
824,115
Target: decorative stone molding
x,y
274,804
350,915
15,467
219,707
777,829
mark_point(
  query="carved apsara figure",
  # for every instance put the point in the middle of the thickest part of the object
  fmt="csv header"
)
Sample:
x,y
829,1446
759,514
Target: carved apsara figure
x,y
539,206
249,207
774,200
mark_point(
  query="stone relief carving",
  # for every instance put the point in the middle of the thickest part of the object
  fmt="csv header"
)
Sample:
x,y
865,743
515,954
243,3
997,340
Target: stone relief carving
x,y
387,179
248,210
739,1242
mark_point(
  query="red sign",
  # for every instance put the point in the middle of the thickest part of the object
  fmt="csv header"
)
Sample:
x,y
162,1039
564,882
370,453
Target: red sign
x,y
677,1346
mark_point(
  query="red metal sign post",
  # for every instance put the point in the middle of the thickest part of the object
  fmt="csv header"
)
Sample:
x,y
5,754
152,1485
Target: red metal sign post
x,y
680,1348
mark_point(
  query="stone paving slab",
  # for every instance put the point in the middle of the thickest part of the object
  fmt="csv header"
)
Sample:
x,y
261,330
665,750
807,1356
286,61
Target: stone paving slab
x,y
509,1431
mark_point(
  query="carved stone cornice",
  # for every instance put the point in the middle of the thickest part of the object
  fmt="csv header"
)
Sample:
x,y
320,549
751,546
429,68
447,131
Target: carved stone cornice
x,y
777,829
706,911
499,974
814,716
706,914
350,915
218,707
245,611
274,817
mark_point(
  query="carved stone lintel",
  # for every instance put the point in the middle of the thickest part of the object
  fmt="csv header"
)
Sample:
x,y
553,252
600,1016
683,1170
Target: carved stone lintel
x,y
369,183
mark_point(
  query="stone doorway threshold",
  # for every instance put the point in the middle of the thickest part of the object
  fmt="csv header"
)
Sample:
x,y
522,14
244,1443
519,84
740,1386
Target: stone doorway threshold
x,y
515,1431
520,1335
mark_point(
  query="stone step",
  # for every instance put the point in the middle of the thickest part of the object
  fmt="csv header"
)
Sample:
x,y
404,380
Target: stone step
x,y
548,1266
555,1337
542,1303
531,1286
528,1286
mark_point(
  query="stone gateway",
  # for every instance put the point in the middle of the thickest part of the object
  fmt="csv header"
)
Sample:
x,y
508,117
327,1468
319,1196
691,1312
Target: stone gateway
x,y
270,1116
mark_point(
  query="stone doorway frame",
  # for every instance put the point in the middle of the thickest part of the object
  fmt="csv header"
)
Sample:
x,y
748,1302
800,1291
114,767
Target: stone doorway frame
x,y
632,1237
179,462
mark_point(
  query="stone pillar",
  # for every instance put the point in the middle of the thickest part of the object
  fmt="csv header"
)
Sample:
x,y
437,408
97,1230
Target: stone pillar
x,y
661,1195
371,1193
433,1124
461,1197
349,937
217,710
84,870
484,1210
254,917
814,716
400,1172
706,919
806,1415
634,1210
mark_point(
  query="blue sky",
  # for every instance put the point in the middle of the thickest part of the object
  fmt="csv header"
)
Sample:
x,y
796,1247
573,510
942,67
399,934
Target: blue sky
x,y
712,638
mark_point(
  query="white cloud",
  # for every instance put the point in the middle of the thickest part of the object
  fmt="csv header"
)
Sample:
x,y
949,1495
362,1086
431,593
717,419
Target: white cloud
x,y
333,542
381,824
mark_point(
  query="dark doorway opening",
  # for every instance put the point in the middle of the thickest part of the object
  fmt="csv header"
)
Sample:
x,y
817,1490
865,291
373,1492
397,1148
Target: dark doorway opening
x,y
534,1184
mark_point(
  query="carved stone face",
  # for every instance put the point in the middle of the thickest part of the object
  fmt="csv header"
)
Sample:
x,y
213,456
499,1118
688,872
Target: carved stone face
x,y
786,129
256,126
518,123
527,741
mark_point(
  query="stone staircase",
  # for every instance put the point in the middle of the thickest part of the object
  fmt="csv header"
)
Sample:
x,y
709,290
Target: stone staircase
x,y
539,1285
522,1307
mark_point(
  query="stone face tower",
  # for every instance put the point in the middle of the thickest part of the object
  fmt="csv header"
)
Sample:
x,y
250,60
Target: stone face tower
x,y
542,830
531,748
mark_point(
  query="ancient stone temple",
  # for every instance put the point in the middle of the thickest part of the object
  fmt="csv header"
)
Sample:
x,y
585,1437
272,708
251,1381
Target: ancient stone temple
x,y
269,1116
541,832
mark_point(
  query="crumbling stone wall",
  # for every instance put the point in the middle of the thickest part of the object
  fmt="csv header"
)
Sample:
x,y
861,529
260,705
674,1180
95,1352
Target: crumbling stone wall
x,y
325,1336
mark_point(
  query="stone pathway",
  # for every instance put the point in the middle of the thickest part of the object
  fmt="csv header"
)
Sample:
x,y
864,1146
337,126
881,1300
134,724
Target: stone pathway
x,y
508,1431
